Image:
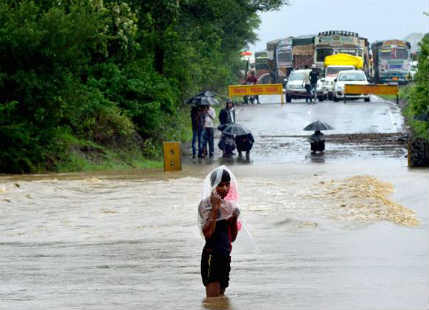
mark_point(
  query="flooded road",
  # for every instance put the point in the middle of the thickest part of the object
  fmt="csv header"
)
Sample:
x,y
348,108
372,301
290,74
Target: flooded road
x,y
338,234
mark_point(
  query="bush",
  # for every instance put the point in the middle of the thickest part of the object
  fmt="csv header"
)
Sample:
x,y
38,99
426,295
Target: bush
x,y
419,95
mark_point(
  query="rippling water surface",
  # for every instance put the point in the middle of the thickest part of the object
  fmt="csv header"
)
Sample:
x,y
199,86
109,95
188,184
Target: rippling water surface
x,y
315,237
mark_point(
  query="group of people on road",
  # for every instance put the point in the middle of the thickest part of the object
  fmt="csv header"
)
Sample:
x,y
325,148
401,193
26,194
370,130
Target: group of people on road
x,y
228,143
203,125
203,117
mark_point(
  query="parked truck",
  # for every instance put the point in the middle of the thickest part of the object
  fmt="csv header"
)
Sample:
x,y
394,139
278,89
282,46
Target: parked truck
x,y
303,51
341,42
263,66
392,61
282,60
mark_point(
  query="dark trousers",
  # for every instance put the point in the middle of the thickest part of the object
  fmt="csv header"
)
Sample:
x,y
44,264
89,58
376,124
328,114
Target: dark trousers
x,y
208,138
197,140
314,91
308,89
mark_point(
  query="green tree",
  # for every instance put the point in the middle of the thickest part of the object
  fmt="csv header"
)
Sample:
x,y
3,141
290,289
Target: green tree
x,y
79,73
419,98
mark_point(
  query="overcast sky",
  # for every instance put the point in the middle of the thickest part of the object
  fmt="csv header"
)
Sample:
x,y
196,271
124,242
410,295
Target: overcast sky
x,y
373,19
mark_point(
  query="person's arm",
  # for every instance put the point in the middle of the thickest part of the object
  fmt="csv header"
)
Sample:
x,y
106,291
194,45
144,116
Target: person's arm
x,y
210,225
233,224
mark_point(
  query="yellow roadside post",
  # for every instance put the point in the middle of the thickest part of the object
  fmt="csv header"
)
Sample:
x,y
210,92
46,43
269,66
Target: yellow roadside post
x,y
172,156
258,89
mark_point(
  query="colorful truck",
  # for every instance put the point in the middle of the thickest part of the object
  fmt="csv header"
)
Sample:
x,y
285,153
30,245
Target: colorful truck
x,y
341,42
392,61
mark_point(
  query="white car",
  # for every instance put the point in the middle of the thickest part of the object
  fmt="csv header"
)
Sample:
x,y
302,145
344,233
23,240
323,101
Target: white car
x,y
354,77
328,82
295,87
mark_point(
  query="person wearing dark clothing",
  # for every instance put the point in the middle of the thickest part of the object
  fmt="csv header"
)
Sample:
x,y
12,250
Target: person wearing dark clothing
x,y
244,143
227,114
314,76
227,145
197,130
251,80
219,232
317,141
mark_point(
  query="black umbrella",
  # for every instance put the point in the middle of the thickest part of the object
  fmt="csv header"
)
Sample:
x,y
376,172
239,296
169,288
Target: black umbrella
x,y
235,130
202,99
318,125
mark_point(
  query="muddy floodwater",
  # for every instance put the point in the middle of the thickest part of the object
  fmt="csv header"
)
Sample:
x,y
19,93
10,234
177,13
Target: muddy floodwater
x,y
344,230
315,237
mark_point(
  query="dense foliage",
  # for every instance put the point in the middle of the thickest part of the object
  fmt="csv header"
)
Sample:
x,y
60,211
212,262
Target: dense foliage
x,y
418,101
91,77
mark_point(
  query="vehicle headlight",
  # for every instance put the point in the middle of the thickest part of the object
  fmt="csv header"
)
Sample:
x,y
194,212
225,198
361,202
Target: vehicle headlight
x,y
339,87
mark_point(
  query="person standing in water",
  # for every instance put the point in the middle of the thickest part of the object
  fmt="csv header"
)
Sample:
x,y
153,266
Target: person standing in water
x,y
218,216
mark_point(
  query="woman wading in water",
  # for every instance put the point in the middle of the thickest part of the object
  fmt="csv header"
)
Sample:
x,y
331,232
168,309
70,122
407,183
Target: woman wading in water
x,y
218,213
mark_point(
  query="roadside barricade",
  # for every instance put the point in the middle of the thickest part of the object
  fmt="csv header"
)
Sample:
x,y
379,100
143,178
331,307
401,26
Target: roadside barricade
x,y
253,90
377,89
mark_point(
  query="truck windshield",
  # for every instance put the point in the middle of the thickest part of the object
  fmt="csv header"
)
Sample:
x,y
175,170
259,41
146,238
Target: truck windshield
x,y
323,52
394,53
335,70
352,76
350,51
284,56
261,64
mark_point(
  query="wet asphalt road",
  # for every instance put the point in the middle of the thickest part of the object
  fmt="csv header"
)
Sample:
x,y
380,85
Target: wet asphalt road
x,y
362,130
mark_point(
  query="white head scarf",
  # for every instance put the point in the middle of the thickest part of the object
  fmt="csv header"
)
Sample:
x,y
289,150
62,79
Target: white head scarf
x,y
228,204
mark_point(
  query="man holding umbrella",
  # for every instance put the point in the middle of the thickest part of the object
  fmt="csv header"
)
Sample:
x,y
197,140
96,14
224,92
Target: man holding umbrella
x,y
317,142
317,139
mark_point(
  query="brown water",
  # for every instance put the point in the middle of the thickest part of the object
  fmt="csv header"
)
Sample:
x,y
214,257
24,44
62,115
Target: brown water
x,y
333,236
